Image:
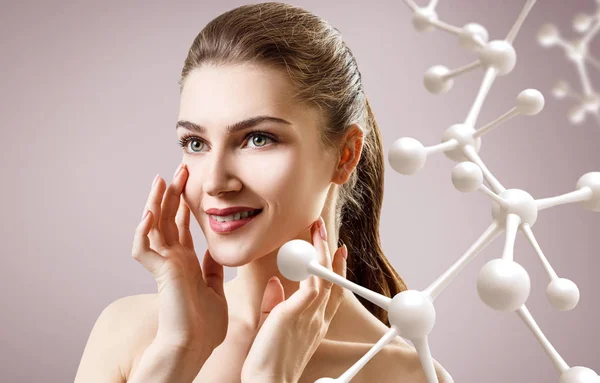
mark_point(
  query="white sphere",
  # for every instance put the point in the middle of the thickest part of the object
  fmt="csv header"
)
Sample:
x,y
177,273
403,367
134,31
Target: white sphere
x,y
530,102
576,114
548,35
467,176
591,103
294,257
591,180
579,374
407,156
463,134
560,89
562,294
499,54
435,82
470,34
422,18
503,285
582,22
326,380
412,312
520,203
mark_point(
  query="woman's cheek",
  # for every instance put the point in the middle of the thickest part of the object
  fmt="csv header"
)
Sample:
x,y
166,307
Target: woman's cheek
x,y
192,191
273,173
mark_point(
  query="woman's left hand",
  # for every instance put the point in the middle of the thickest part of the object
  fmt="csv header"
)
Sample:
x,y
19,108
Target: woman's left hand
x,y
289,331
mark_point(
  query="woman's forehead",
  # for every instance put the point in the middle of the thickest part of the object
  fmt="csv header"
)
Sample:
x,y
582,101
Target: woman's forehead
x,y
236,86
219,95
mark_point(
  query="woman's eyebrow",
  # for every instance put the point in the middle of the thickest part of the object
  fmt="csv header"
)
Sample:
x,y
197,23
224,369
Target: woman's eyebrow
x,y
241,125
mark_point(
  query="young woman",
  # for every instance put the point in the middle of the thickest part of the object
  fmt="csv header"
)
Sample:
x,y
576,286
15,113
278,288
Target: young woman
x,y
274,123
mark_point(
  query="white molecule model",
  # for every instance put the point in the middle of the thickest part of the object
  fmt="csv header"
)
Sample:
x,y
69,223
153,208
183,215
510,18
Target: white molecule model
x,y
577,52
502,284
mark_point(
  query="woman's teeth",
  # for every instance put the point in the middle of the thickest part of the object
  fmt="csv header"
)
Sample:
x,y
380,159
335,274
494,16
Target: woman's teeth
x,y
235,217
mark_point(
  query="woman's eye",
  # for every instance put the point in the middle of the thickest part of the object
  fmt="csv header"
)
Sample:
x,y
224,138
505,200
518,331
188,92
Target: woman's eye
x,y
261,138
192,141
257,139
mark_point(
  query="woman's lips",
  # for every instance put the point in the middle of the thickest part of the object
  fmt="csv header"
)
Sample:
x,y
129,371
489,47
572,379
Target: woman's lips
x,y
227,227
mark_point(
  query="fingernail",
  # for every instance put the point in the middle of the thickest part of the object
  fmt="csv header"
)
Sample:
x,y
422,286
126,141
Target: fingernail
x,y
322,229
145,213
155,179
345,251
178,170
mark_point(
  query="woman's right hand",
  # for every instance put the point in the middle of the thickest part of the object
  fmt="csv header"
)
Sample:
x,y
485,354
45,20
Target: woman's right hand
x,y
193,313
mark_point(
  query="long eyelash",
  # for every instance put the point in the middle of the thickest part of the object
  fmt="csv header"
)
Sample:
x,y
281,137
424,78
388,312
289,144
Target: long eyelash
x,y
186,138
183,141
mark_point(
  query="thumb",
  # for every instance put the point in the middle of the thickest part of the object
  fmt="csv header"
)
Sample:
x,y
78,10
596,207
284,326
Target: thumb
x,y
273,295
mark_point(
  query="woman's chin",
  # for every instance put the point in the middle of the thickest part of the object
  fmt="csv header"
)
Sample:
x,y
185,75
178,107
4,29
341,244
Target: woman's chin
x,y
233,258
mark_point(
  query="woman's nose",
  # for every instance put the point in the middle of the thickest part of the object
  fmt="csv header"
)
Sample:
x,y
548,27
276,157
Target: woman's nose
x,y
219,176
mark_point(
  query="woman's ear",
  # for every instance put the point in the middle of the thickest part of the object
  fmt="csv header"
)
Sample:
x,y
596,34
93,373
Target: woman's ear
x,y
349,153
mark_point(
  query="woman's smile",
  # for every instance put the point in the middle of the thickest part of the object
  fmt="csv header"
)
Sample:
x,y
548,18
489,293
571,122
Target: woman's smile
x,y
227,224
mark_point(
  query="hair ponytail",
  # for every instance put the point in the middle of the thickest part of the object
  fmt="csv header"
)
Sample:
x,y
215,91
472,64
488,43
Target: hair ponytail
x,y
360,215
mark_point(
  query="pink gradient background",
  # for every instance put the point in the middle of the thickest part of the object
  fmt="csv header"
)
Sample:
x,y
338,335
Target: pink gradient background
x,y
88,106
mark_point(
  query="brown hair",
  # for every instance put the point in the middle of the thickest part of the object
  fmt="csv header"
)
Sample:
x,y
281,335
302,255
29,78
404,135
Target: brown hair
x,y
325,73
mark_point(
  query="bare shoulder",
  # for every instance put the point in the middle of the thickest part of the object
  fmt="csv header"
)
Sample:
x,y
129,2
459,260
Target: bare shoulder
x,y
135,325
113,340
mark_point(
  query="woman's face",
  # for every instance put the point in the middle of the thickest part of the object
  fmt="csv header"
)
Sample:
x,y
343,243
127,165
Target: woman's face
x,y
285,172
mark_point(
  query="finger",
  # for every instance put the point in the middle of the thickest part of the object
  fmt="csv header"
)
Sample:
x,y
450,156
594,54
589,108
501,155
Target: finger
x,y
273,295
182,220
337,292
157,241
310,286
213,274
183,224
323,256
170,204
301,299
141,250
